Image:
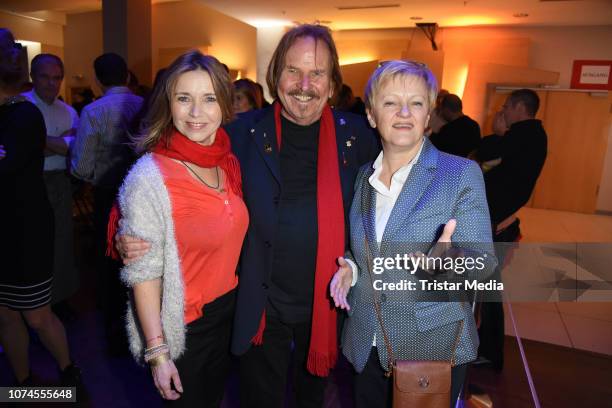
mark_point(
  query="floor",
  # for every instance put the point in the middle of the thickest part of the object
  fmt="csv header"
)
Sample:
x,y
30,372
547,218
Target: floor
x,y
581,325
568,345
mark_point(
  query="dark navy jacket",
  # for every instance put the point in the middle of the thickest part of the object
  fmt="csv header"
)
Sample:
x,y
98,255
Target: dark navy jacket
x,y
253,138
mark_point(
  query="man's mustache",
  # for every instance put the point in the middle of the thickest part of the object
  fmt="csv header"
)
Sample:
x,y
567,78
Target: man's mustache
x,y
308,93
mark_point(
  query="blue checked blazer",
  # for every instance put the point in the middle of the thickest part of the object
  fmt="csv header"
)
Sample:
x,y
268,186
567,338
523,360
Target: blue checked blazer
x,y
439,187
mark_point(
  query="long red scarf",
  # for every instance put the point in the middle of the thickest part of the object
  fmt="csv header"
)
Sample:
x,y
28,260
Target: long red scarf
x,y
178,146
323,351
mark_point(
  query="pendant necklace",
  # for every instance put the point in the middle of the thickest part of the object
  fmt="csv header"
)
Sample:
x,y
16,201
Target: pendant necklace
x,y
202,180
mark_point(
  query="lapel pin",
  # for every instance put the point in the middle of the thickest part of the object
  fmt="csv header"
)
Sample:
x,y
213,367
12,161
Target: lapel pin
x,y
349,143
267,148
342,122
253,130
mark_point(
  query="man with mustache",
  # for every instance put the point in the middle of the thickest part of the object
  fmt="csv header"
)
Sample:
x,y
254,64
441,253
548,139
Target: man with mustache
x,y
299,161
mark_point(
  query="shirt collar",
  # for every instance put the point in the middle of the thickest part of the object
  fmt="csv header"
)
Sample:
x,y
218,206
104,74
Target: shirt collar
x,y
38,99
117,90
399,177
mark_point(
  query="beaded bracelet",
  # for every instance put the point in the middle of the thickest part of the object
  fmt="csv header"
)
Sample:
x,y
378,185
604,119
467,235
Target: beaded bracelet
x,y
154,352
154,348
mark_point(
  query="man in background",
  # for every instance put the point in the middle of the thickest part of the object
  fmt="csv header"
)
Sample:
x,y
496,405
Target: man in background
x,y
461,134
101,156
61,121
520,146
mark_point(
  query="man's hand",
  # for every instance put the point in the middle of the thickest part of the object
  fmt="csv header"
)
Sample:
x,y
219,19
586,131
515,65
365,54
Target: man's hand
x,y
56,145
69,132
2,152
499,124
341,284
131,249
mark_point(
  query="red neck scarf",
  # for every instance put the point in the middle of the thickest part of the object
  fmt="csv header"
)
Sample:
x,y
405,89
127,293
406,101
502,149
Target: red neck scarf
x,y
178,146
323,351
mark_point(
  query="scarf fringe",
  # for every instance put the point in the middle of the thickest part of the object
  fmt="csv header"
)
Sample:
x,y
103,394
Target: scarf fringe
x,y
320,364
257,340
111,230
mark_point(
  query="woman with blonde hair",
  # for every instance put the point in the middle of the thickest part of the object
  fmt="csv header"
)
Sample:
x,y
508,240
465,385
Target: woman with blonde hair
x,y
183,197
402,205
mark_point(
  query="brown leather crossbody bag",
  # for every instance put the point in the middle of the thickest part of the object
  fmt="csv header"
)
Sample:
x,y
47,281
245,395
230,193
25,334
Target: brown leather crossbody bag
x,y
423,384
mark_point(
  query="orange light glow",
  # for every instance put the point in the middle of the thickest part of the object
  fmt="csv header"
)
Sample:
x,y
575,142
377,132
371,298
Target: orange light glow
x,y
263,23
461,81
463,21
456,78
356,60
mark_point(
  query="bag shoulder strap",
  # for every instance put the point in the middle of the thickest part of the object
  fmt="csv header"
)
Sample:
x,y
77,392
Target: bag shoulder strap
x,y
376,299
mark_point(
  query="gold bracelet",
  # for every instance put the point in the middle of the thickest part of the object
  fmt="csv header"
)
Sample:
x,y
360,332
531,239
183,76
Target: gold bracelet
x,y
162,358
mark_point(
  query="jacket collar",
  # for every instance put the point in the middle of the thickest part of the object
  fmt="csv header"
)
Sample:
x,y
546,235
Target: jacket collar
x,y
263,132
416,184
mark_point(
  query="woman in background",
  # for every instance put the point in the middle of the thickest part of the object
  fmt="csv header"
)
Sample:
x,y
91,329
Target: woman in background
x,y
247,96
26,246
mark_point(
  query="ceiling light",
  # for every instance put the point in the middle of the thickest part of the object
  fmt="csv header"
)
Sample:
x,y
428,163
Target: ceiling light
x,y
23,15
520,15
263,23
373,6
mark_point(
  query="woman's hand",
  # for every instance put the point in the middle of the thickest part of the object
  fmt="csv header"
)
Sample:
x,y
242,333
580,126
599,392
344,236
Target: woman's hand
x,y
130,248
445,241
441,249
164,375
341,284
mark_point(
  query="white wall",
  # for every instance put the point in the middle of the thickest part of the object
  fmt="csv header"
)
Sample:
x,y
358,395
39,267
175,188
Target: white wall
x,y
192,24
545,48
267,40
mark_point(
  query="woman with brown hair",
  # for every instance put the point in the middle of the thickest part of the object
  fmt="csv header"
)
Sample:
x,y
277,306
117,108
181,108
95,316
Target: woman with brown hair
x,y
246,96
183,197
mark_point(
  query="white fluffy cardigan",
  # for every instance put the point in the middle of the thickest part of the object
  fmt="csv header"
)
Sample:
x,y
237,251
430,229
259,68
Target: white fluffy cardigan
x,y
146,213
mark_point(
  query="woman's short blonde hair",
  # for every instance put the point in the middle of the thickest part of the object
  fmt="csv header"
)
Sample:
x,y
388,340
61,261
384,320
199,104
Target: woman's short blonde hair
x,y
158,118
401,68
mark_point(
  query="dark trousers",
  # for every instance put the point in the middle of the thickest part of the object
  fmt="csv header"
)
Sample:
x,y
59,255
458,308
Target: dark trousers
x,y
491,329
204,367
111,294
264,369
65,275
373,390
